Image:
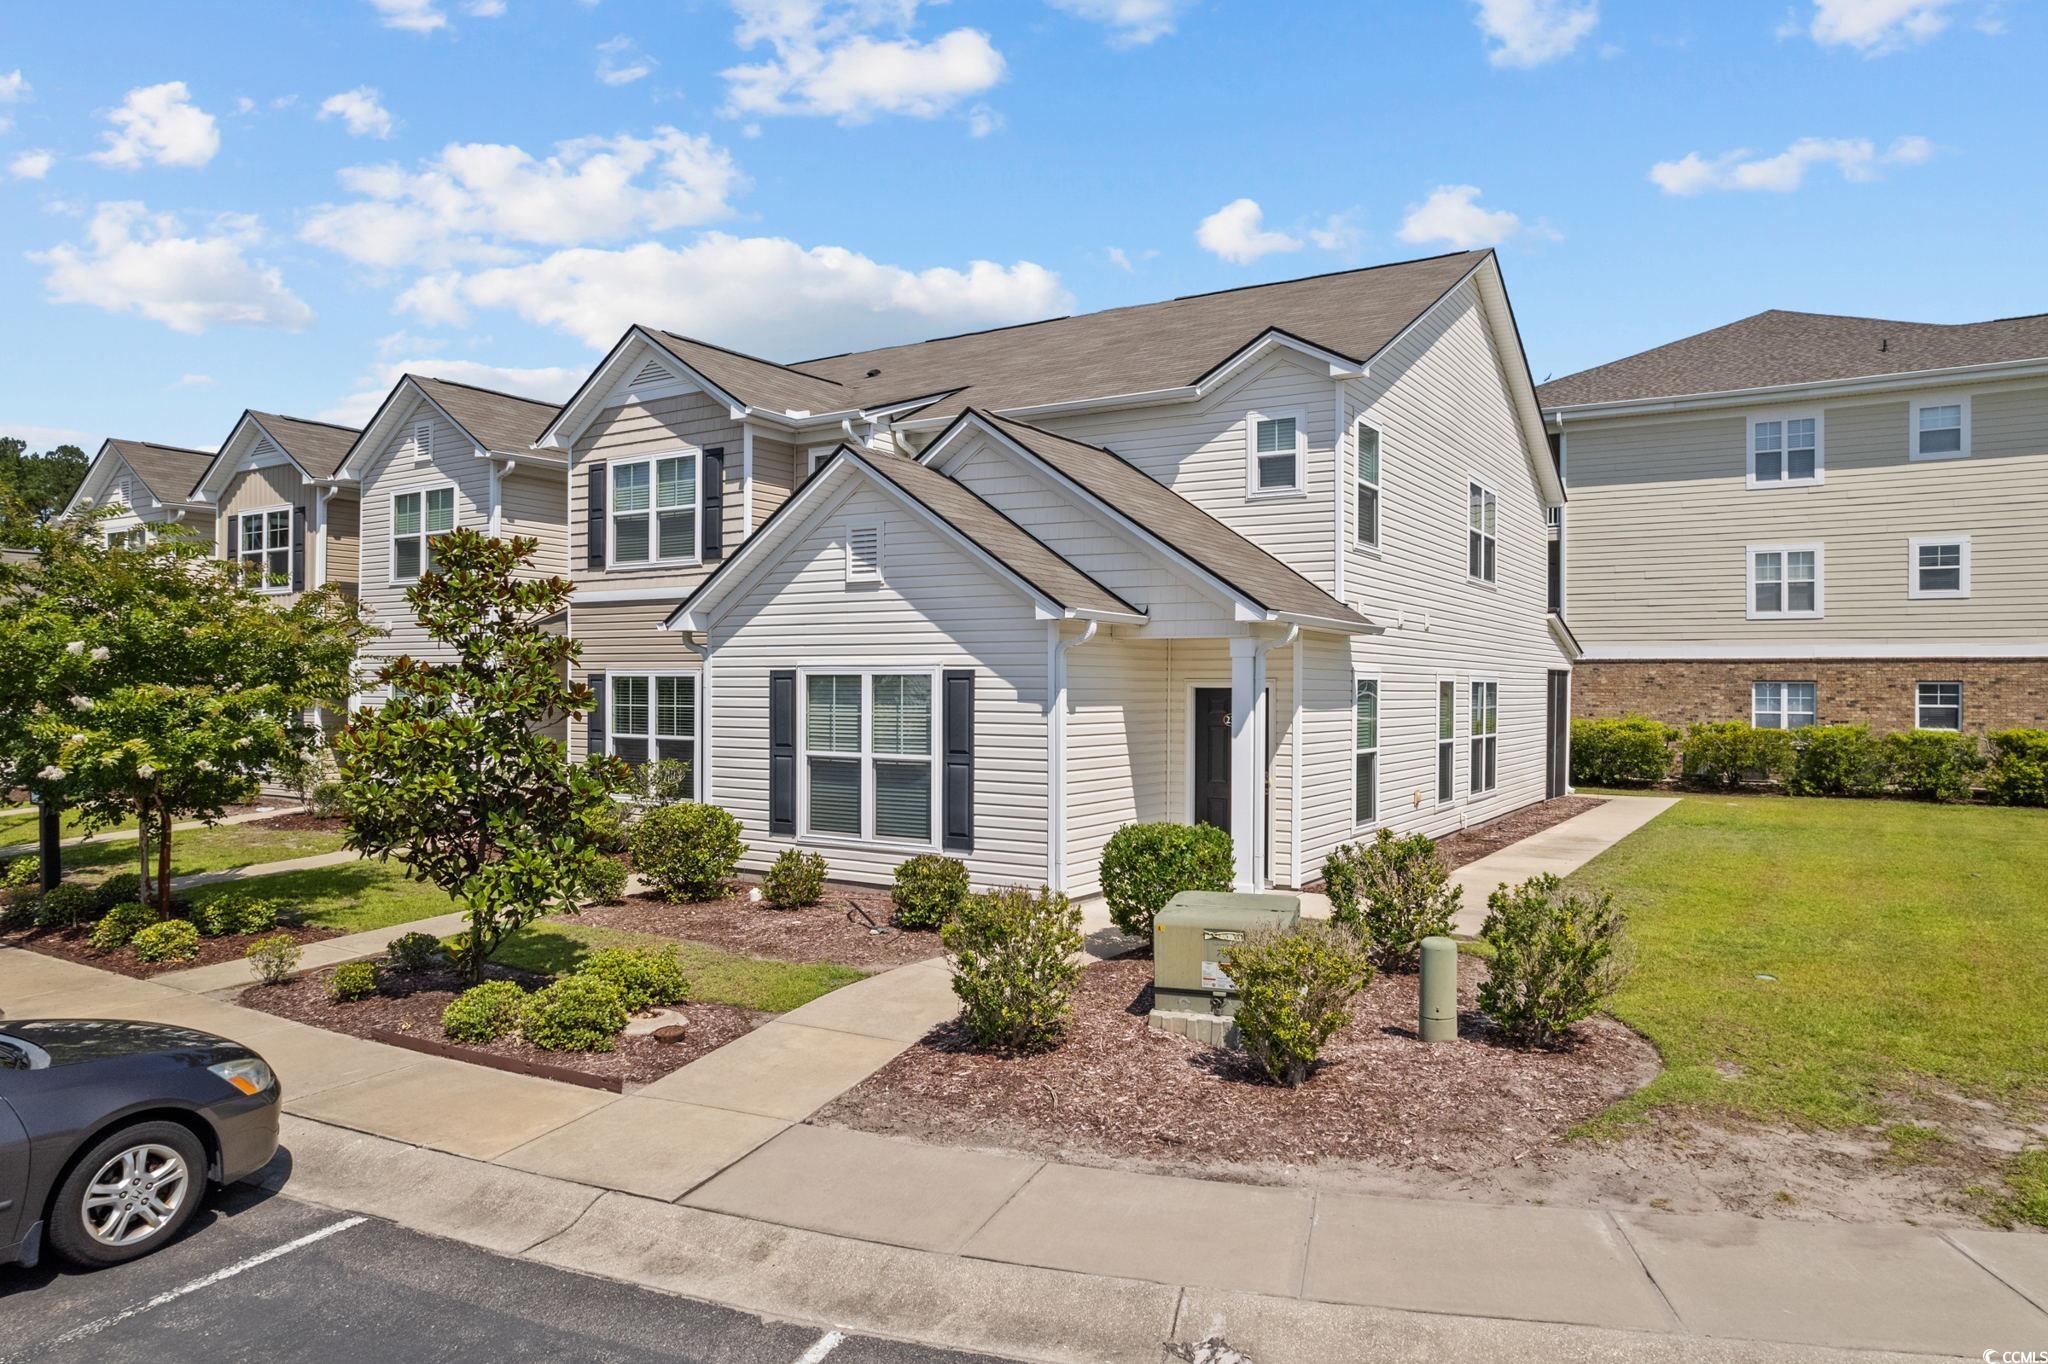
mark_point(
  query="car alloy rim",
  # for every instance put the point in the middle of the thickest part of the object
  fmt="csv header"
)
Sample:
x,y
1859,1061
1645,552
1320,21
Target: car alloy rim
x,y
135,1195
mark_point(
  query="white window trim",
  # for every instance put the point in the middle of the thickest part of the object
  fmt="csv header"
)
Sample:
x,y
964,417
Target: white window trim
x,y
867,757
1472,737
651,678
1474,481
1252,491
1378,750
654,562
392,536
1359,480
1437,752
1913,454
241,556
1784,711
1820,577
1820,447
1938,682
1913,589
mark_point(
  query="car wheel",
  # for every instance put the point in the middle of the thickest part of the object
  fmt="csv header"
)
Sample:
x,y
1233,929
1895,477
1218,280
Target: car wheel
x,y
129,1194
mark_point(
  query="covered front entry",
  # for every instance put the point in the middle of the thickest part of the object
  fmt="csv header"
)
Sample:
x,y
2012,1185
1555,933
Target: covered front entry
x,y
1210,737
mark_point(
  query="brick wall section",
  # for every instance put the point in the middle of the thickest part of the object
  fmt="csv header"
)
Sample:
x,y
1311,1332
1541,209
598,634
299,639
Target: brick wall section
x,y
1997,693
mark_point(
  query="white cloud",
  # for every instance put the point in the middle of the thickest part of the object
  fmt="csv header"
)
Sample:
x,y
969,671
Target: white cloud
x,y
619,62
31,165
1857,158
135,261
1452,215
361,110
13,88
414,16
551,382
473,199
48,437
982,120
483,9
1128,261
829,61
1532,32
1235,232
159,123
1874,27
761,293
1132,23
194,381
1339,232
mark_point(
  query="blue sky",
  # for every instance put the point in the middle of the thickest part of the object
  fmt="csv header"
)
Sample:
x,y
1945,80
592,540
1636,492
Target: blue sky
x,y
219,206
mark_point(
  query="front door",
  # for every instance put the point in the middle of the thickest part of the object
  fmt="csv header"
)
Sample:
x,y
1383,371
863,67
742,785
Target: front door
x,y
1557,764
1212,756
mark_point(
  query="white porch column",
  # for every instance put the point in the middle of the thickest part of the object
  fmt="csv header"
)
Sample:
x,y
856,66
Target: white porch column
x,y
1248,760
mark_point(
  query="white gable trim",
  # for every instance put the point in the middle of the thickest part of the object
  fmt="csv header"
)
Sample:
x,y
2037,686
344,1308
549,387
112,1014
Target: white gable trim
x,y
237,453
394,422
626,359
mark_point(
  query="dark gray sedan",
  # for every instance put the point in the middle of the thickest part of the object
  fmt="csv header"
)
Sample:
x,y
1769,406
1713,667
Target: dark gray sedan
x,y
111,1130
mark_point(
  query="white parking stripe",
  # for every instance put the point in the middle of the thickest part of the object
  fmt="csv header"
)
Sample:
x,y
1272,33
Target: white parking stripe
x,y
825,1345
93,1328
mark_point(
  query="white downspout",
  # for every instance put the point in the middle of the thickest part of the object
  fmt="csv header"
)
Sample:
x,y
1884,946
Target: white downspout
x,y
321,497
746,480
1056,750
1294,801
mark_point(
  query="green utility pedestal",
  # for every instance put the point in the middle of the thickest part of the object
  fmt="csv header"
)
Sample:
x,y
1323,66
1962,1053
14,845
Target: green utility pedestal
x,y
1439,1013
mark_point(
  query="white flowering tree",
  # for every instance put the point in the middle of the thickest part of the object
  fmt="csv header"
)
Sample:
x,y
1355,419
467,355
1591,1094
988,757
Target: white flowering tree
x,y
154,681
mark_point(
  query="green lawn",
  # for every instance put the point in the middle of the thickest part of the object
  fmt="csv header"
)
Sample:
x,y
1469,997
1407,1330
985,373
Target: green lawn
x,y
220,848
19,826
715,977
351,896
1904,942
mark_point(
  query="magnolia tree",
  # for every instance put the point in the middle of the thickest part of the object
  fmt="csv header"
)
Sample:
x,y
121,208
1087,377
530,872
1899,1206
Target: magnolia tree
x,y
456,775
153,681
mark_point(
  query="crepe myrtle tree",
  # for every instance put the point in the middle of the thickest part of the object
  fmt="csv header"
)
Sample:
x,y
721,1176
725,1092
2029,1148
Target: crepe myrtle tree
x,y
455,775
153,681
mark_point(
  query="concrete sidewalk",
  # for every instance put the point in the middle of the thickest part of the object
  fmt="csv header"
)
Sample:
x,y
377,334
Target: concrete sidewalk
x,y
709,1183
1559,850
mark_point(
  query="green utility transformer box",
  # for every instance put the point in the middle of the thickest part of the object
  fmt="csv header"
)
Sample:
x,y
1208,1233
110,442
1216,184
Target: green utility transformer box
x,y
1193,936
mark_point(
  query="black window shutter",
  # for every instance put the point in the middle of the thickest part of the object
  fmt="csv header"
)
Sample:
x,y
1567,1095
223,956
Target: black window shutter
x,y
593,523
959,802
593,724
782,753
714,504
298,549
234,530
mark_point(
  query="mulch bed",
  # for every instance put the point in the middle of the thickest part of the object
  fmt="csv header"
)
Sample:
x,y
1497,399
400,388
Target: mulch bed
x,y
70,943
302,821
821,932
1116,1091
1469,845
411,1005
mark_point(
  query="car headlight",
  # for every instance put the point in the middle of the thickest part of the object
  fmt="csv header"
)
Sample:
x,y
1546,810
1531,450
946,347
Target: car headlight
x,y
249,1074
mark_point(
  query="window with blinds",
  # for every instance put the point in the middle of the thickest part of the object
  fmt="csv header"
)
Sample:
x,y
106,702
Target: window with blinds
x,y
1446,739
653,718
266,548
417,517
868,747
1366,735
1368,487
1276,454
1485,735
654,511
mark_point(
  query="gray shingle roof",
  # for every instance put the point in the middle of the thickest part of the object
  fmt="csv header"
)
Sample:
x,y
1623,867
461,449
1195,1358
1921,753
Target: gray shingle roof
x,y
1003,539
497,421
168,471
1137,349
1198,536
1776,348
317,447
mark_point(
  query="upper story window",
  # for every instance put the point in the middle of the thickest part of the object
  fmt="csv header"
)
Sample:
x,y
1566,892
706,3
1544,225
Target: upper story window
x,y
1938,705
1480,547
1785,449
1368,487
135,537
821,455
1941,428
1275,455
1939,567
654,511
265,545
1781,705
1784,581
416,518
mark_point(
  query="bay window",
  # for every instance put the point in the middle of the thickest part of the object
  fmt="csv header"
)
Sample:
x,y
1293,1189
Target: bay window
x,y
868,756
654,511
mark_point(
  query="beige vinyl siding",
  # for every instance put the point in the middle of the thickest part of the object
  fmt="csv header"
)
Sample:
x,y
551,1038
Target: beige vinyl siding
x,y
779,470
624,636
693,421
1660,522
274,485
394,470
535,503
1198,450
936,607
344,542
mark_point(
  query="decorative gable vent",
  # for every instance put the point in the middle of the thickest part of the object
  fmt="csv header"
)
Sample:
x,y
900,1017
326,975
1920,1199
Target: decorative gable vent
x,y
423,441
864,554
266,448
653,372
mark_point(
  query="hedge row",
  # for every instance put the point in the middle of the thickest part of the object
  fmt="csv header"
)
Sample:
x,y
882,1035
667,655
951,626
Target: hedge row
x,y
1821,760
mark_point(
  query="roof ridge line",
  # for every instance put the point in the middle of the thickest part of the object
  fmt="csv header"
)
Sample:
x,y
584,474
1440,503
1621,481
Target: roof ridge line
x,y
479,388
745,355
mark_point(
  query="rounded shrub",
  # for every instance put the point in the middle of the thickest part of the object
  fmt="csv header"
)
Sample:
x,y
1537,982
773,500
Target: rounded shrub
x,y
119,925
484,1013
1146,865
604,881
577,1013
65,904
604,827
1294,995
122,888
646,978
22,873
273,958
1557,956
929,891
795,880
1014,970
413,952
1392,892
235,912
325,799
1724,754
352,980
1930,764
687,851
2019,767
171,940
1838,760
1631,751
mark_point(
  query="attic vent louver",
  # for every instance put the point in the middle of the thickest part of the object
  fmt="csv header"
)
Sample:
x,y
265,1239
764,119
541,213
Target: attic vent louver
x,y
653,372
266,448
864,554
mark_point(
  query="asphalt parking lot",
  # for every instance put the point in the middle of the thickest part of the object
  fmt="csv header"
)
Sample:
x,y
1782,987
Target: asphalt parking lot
x,y
263,1276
